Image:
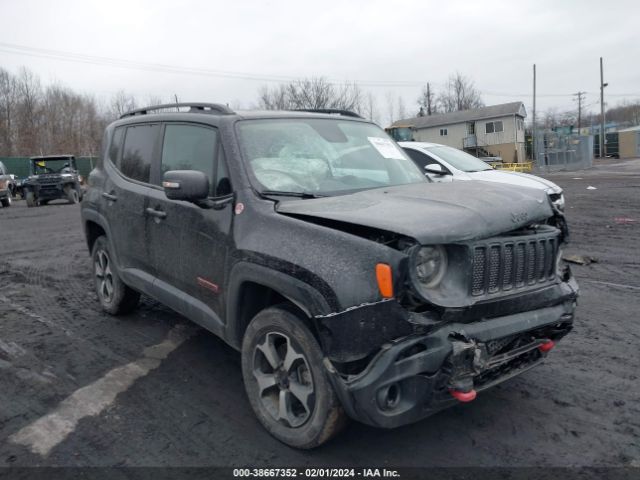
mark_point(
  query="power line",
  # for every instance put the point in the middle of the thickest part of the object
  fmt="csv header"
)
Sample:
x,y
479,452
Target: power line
x,y
60,55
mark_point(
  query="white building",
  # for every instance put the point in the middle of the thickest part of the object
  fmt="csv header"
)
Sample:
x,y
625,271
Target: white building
x,y
497,130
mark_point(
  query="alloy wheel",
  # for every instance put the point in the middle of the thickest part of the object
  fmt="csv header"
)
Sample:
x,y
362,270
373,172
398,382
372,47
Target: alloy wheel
x,y
285,383
104,275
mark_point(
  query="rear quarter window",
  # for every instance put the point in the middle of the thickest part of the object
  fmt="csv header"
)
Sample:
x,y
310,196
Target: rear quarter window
x,y
115,147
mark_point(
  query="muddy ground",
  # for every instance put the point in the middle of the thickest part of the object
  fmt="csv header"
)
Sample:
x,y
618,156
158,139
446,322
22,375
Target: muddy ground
x,y
580,408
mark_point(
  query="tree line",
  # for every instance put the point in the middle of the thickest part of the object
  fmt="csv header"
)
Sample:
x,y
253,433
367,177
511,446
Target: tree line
x,y
37,119
458,93
53,119
43,120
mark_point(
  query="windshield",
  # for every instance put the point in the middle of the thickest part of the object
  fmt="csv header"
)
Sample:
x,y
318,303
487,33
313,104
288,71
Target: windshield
x,y
323,157
58,165
459,159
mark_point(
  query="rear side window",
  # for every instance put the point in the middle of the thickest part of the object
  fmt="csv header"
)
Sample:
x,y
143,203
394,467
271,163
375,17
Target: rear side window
x,y
138,149
116,145
191,147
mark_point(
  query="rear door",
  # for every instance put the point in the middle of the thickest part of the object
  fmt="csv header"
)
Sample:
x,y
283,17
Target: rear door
x,y
125,198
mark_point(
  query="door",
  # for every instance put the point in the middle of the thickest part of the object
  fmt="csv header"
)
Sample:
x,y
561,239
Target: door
x,y
124,200
189,243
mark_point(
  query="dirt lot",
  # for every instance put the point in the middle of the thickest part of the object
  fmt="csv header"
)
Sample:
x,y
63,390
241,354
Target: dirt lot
x,y
581,408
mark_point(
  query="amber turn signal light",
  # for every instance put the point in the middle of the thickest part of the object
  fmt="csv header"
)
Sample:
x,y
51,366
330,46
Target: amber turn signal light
x,y
385,280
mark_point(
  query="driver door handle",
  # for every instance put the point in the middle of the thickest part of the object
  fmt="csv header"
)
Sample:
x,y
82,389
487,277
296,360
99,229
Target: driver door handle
x,y
109,196
156,213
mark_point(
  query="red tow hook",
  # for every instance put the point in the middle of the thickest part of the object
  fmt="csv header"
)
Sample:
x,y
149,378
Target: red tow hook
x,y
463,396
546,346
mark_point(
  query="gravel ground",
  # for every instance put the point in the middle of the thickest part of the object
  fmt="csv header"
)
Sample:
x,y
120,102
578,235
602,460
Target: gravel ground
x,y
580,408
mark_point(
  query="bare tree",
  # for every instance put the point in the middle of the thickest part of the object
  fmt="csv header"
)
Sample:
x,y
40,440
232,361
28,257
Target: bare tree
x,y
402,110
30,92
8,105
369,109
122,103
390,100
53,120
459,94
311,93
626,112
275,98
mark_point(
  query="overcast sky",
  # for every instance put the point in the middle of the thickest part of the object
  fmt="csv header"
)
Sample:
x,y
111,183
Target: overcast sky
x,y
225,50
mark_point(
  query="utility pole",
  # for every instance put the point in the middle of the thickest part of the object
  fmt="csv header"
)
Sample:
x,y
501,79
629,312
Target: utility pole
x,y
580,98
533,132
603,149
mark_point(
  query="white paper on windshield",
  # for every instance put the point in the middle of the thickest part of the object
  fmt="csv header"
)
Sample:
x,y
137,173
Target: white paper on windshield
x,y
386,148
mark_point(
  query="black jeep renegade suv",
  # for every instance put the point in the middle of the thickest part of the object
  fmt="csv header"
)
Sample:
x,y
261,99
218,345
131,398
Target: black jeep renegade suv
x,y
309,241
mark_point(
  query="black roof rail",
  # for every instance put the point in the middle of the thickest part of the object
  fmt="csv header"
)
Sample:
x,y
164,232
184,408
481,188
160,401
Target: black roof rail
x,y
193,108
334,111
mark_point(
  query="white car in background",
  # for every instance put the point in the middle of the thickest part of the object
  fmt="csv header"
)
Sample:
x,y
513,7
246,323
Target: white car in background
x,y
446,164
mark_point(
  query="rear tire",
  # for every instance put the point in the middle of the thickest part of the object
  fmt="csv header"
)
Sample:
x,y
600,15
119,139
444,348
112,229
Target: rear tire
x,y
6,202
114,296
31,200
286,381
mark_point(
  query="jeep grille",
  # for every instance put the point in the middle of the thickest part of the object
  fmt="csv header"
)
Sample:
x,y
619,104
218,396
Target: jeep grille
x,y
501,265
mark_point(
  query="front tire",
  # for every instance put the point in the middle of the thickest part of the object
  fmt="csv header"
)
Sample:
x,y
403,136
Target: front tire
x,y
115,297
6,202
72,195
286,381
31,199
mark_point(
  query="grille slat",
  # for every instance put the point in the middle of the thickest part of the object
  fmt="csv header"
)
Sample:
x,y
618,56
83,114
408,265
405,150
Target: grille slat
x,y
507,272
513,263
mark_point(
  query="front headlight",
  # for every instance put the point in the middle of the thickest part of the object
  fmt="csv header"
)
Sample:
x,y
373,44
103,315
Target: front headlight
x,y
429,264
558,200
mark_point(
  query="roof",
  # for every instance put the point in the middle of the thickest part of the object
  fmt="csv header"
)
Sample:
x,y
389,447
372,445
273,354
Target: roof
x,y
52,157
492,111
630,129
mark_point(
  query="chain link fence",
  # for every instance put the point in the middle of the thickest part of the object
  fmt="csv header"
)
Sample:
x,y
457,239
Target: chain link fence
x,y
556,151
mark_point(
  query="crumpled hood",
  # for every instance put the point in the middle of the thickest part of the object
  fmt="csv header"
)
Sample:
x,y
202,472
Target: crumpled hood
x,y
515,178
432,213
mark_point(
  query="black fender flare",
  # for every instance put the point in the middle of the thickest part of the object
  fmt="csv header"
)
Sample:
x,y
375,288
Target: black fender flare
x,y
91,215
304,296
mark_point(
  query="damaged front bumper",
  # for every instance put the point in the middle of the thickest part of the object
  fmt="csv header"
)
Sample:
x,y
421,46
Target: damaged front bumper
x,y
420,374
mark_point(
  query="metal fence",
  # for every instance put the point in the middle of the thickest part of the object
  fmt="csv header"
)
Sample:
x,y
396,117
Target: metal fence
x,y
556,151
19,166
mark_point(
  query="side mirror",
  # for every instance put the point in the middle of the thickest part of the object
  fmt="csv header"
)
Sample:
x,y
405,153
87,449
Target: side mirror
x,y
435,168
189,185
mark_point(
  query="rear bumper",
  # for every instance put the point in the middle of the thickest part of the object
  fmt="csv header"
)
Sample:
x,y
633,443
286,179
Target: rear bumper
x,y
411,379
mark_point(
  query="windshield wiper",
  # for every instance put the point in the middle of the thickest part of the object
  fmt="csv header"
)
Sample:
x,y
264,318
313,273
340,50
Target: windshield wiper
x,y
279,193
